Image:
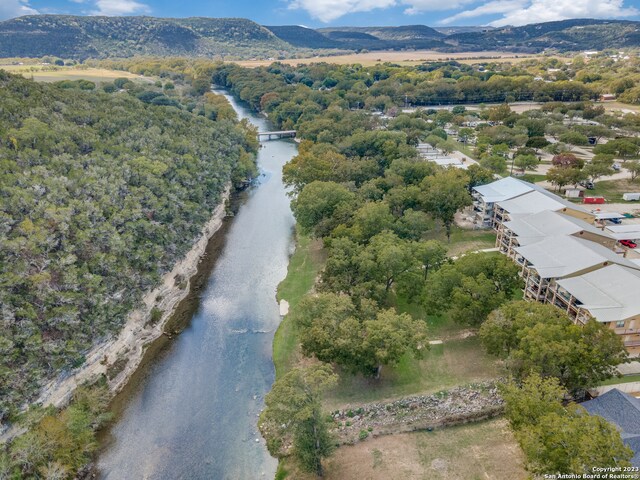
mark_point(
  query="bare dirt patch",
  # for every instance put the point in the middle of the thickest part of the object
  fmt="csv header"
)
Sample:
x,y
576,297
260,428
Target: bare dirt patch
x,y
485,450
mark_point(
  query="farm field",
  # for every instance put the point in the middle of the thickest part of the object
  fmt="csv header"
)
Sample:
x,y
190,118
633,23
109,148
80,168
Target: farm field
x,y
401,58
47,74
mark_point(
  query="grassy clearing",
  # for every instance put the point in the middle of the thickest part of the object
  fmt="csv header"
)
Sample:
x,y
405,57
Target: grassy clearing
x,y
463,239
624,379
612,190
485,450
303,269
455,362
42,73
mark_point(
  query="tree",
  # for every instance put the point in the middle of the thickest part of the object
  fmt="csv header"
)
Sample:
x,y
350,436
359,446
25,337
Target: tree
x,y
445,194
538,340
465,134
561,176
567,160
600,165
293,412
526,162
494,163
471,287
556,438
318,205
574,138
360,340
537,142
479,176
634,169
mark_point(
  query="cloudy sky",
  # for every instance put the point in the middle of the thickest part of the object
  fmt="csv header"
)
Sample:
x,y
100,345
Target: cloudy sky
x,y
316,13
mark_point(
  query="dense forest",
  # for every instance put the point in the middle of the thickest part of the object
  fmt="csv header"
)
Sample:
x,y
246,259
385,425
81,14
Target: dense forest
x,y
81,37
101,194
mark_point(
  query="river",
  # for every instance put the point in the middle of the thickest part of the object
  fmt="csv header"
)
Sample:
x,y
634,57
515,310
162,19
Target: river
x,y
192,411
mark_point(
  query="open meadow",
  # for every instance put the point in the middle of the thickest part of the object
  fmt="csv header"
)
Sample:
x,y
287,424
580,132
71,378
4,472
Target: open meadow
x,y
48,73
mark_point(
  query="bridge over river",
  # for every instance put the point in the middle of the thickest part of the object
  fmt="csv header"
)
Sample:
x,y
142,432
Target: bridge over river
x,y
276,135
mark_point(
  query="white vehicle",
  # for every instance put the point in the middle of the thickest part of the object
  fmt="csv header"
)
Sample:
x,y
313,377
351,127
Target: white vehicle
x,y
627,197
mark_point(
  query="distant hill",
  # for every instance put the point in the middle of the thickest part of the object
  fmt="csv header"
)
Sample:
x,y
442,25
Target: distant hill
x,y
382,38
304,37
565,35
462,29
98,37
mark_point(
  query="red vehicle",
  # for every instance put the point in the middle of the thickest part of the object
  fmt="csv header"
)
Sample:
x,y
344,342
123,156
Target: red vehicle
x,y
593,200
628,243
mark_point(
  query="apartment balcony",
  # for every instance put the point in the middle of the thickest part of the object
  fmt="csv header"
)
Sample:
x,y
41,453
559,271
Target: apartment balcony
x,y
632,343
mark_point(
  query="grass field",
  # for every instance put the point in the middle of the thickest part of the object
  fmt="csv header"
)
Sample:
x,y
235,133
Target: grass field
x,y
304,266
401,58
463,240
455,362
612,190
42,73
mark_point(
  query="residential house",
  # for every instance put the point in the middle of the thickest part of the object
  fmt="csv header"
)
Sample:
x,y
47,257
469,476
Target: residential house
x,y
623,411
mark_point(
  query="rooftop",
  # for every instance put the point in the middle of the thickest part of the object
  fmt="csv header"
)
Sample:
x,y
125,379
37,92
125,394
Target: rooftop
x,y
537,201
503,189
562,256
622,410
536,227
608,294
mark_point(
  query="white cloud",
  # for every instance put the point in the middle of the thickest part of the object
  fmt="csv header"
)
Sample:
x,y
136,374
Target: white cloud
x,y
119,7
15,8
328,10
419,6
523,12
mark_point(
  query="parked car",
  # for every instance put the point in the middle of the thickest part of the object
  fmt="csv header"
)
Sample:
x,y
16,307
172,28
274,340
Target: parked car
x,y
628,243
616,167
588,185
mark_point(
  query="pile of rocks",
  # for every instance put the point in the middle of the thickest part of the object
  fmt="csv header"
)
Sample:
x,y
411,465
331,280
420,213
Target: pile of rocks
x,y
423,412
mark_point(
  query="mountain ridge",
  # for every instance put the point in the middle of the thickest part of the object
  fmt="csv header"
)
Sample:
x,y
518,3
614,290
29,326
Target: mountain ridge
x,y
80,37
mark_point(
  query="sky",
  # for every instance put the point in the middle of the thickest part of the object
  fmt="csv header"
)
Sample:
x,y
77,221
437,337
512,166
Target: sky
x,y
318,13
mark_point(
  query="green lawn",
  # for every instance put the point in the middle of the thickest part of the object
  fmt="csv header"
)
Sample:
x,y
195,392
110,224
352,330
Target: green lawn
x,y
303,269
455,362
624,379
612,190
463,239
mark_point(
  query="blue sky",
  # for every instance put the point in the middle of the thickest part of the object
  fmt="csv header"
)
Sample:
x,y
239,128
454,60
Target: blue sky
x,y
317,13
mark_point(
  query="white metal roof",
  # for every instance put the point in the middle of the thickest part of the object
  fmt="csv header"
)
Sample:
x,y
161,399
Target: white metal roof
x,y
624,232
503,189
535,202
536,227
562,256
609,294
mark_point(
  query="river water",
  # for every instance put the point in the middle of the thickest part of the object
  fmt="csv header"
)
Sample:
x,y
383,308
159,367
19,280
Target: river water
x,y
192,413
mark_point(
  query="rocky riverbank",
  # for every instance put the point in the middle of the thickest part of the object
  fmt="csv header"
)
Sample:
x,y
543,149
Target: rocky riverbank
x,y
118,358
423,412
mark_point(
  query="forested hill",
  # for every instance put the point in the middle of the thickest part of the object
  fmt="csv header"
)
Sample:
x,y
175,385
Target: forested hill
x,y
100,37
101,194
565,35
76,37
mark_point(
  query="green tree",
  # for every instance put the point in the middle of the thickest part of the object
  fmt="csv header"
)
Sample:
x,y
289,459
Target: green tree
x,y
556,438
600,165
360,340
445,194
633,168
526,162
293,413
317,205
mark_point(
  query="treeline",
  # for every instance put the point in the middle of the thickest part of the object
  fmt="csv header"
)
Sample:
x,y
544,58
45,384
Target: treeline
x,y
101,193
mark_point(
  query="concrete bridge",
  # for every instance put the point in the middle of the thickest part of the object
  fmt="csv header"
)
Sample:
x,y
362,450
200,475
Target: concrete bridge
x,y
276,135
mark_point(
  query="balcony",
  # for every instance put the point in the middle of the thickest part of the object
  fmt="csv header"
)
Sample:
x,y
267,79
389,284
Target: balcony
x,y
632,343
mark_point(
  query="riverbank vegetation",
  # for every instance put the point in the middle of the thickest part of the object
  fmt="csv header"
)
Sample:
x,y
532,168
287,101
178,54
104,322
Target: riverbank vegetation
x,y
359,185
103,190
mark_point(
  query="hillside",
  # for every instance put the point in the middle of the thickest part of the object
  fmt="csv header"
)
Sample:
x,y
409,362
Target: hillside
x,y
381,38
100,37
102,194
565,35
